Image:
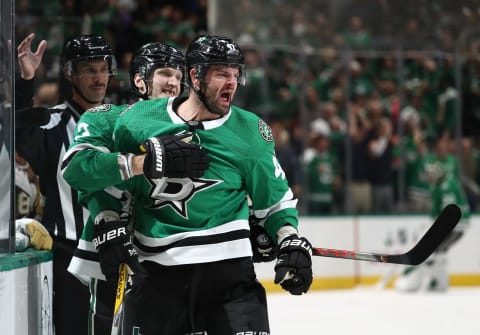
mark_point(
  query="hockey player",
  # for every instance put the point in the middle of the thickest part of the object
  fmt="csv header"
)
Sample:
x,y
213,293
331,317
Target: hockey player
x,y
156,71
440,172
91,165
192,234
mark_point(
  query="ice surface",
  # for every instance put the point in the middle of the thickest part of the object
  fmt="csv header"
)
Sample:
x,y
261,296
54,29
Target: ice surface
x,y
369,311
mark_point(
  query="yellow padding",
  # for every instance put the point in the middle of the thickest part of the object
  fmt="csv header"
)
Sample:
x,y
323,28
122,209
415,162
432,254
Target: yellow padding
x,y
333,283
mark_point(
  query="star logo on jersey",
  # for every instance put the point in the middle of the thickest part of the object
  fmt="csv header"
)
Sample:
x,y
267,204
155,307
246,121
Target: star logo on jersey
x,y
177,192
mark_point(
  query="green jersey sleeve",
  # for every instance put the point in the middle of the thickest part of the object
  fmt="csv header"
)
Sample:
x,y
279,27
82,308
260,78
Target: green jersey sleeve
x,y
273,201
90,164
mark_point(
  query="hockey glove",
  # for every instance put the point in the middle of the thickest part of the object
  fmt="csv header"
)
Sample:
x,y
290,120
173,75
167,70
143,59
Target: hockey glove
x,y
172,156
113,241
38,236
263,247
293,270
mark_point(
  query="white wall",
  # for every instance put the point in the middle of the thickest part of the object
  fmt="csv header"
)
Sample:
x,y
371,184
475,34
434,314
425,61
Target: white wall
x,y
26,298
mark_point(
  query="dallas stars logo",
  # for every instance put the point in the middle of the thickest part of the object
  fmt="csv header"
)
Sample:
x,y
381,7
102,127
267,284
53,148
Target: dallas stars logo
x,y
101,108
177,192
265,131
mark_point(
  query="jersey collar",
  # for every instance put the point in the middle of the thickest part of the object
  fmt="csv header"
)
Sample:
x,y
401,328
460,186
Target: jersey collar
x,y
173,104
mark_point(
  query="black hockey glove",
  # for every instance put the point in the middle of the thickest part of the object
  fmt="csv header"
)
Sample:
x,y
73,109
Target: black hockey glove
x,y
263,247
293,270
114,244
171,156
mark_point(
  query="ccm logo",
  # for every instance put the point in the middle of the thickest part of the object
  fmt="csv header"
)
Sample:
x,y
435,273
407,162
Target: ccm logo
x,y
109,235
334,252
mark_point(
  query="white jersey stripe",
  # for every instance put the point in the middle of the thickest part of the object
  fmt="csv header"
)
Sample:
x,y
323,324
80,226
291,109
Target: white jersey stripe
x,y
202,253
224,228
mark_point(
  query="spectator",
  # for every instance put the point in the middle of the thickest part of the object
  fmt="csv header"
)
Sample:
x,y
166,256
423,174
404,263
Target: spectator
x,y
380,153
357,36
322,176
361,189
287,157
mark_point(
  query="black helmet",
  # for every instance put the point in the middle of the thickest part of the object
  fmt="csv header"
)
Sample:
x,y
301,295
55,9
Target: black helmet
x,y
84,48
152,56
206,50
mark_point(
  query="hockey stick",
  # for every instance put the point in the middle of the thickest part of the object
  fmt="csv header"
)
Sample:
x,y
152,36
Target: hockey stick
x,y
436,234
118,309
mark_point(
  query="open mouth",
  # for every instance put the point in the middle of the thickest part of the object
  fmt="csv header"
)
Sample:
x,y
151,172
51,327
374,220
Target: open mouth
x,y
169,93
225,98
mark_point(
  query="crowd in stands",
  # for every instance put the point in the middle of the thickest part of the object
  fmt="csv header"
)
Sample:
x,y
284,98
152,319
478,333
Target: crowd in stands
x,y
125,25
357,92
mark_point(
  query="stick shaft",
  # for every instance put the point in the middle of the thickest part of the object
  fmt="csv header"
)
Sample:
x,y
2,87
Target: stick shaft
x,y
118,309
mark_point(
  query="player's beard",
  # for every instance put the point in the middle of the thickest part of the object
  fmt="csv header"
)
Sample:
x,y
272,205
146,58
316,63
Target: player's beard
x,y
212,104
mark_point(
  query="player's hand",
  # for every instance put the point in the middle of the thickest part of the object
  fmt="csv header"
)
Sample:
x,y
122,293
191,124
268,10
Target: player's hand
x,y
293,270
38,235
113,241
173,156
263,247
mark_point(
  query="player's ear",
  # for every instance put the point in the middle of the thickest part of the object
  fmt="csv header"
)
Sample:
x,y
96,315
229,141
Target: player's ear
x,y
140,83
67,72
194,76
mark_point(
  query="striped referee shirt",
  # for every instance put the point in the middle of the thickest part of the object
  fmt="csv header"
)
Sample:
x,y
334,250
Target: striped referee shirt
x,y
43,147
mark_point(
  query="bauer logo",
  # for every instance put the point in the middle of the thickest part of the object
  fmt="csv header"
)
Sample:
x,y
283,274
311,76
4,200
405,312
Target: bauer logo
x,y
265,131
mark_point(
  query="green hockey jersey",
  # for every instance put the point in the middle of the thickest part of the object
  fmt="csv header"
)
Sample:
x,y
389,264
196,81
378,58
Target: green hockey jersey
x,y
449,191
90,163
91,166
184,221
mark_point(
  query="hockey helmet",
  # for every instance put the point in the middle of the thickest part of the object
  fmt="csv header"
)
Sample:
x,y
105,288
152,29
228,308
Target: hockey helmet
x,y
206,50
85,48
152,56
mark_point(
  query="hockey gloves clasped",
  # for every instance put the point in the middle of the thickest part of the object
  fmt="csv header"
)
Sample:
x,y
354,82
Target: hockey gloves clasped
x,y
173,156
293,270
113,241
263,247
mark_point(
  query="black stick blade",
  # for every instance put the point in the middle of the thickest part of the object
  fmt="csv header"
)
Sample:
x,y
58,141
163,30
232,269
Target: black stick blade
x,y
436,234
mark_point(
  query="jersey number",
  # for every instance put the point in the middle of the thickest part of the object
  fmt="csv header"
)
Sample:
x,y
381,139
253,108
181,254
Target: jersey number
x,y
278,169
82,130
